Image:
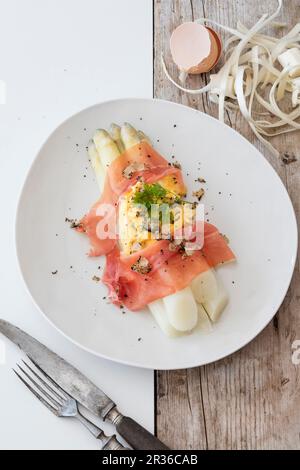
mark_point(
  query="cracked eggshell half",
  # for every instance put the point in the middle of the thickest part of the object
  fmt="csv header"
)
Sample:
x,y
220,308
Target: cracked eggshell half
x,y
195,48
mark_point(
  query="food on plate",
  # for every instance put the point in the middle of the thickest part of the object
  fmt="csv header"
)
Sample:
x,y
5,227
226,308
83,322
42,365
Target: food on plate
x,y
148,232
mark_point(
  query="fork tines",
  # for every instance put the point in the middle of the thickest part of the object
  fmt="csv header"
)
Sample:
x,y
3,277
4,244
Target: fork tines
x,y
42,386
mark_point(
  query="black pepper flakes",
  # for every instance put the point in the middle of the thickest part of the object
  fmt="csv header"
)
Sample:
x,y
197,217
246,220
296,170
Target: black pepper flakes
x,y
73,222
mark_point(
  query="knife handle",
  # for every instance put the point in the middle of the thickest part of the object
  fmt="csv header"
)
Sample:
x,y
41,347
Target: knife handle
x,y
137,436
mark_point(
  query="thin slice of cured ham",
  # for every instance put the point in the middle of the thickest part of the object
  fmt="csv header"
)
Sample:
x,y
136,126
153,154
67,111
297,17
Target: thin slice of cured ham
x,y
170,271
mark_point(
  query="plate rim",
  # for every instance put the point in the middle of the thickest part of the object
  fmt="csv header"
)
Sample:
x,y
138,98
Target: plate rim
x,y
197,363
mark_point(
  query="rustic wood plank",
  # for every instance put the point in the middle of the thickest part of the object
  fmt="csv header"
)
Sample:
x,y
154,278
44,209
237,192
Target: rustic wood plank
x,y
251,399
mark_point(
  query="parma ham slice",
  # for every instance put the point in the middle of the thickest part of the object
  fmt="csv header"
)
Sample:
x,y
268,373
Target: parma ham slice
x,y
169,271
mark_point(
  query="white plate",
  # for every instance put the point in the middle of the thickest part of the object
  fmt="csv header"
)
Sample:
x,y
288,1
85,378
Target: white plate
x,y
245,199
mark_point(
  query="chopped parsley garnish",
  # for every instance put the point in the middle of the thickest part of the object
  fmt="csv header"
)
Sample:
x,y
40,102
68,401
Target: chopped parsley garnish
x,y
150,194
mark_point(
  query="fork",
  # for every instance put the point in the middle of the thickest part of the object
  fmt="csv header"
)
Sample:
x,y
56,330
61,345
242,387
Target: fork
x,y
60,403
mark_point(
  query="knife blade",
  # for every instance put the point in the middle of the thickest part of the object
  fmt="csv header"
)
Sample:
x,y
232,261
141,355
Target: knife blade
x,y
69,378
81,388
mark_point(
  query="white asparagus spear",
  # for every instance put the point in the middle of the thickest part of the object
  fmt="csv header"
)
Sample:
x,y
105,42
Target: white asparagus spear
x,y
182,310
209,291
215,305
115,132
143,137
158,310
205,286
106,147
203,319
129,135
96,164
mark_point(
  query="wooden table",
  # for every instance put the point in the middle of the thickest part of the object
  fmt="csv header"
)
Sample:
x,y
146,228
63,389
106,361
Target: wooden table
x,y
250,400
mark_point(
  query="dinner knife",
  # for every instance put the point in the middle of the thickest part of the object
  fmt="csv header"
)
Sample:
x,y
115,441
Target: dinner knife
x,y
81,388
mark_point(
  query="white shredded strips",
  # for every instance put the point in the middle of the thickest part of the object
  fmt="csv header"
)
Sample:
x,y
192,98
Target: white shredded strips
x,y
259,70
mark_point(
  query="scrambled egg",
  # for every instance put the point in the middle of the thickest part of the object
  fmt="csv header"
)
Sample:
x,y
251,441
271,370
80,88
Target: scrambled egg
x,y
134,228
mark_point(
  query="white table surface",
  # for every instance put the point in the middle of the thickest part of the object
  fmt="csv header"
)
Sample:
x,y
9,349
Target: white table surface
x,y
56,58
